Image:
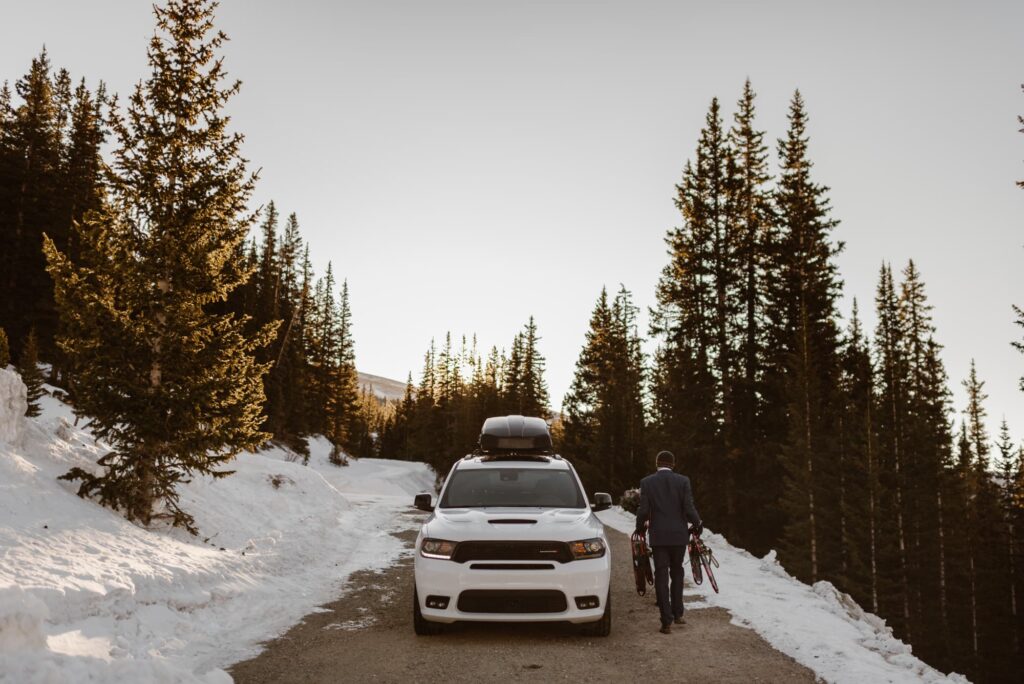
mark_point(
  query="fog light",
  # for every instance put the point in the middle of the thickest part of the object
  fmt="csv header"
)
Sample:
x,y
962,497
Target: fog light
x,y
587,602
438,602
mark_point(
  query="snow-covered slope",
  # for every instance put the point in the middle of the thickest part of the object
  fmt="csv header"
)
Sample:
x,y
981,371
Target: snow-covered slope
x,y
818,626
88,596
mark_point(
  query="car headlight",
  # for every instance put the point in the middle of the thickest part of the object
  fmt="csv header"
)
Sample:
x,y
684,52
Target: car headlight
x,y
587,548
437,548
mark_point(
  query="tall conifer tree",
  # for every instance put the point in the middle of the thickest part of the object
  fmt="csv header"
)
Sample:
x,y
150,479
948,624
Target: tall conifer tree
x,y
344,399
801,299
604,424
1009,468
533,398
858,502
752,219
173,388
692,378
30,175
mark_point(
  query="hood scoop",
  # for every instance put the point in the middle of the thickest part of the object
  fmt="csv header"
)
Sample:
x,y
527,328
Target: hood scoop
x,y
512,521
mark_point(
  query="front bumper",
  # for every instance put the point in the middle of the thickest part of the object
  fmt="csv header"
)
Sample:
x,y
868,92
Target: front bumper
x,y
590,577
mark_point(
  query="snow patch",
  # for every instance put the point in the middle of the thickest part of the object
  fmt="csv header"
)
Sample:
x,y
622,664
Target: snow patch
x,y
13,403
87,596
21,621
351,625
819,627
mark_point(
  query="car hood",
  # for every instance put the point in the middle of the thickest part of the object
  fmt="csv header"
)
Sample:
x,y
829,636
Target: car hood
x,y
512,524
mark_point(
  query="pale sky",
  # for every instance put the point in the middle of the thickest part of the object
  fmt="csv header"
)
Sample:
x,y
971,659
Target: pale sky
x,y
466,165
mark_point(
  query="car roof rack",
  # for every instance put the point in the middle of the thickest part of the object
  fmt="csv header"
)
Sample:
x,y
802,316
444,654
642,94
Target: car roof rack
x,y
541,458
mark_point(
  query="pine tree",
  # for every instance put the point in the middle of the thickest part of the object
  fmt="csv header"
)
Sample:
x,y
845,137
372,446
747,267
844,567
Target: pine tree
x,y
990,610
265,283
926,448
83,163
173,388
1010,501
858,503
323,354
969,483
893,409
81,191
28,368
512,379
802,296
976,414
344,398
690,391
751,218
533,398
604,430
267,278
305,316
938,487
30,177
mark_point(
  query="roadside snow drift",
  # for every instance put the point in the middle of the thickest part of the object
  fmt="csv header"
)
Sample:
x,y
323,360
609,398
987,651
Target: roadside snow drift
x,y
87,596
818,626
12,405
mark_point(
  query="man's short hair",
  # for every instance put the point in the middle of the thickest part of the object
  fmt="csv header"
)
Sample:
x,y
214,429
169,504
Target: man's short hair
x,y
666,459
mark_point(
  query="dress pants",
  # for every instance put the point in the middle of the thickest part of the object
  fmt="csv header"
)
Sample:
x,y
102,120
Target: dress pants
x,y
668,565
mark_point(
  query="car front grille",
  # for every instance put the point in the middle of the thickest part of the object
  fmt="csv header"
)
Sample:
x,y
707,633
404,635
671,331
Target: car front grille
x,y
512,601
512,566
512,551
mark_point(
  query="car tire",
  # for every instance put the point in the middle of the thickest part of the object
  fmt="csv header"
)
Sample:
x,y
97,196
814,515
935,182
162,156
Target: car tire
x,y
420,624
602,627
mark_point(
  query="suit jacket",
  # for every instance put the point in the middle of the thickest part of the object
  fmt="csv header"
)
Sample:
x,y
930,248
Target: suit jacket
x,y
666,500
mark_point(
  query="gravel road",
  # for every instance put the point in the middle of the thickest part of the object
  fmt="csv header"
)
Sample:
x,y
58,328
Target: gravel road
x,y
366,636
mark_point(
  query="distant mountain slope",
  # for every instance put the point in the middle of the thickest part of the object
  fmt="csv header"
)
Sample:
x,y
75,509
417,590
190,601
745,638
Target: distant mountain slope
x,y
384,388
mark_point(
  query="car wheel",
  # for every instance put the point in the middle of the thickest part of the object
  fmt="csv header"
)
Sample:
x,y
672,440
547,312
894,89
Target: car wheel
x,y
420,624
602,627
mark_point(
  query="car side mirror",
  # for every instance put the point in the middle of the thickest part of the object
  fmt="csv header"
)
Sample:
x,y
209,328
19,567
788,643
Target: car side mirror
x,y
423,502
602,501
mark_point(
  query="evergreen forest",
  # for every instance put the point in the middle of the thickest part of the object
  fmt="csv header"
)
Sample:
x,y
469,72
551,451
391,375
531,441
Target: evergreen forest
x,y
802,432
188,326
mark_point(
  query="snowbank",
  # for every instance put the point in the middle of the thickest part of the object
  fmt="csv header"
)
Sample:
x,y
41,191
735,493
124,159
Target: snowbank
x,y
12,405
819,627
87,596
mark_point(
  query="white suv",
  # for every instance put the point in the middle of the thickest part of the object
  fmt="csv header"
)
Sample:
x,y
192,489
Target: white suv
x,y
512,538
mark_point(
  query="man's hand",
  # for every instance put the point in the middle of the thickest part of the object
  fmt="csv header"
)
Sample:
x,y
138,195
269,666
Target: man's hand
x,y
697,529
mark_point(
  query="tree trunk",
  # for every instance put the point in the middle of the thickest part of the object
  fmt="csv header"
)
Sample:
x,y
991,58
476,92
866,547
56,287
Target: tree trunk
x,y
942,565
901,536
842,498
806,361
1013,590
147,478
872,479
974,602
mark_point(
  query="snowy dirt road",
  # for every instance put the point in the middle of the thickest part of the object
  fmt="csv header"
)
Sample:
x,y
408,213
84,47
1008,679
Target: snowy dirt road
x,y
366,636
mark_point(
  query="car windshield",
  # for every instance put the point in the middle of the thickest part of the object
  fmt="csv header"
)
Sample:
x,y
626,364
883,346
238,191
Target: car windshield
x,y
513,487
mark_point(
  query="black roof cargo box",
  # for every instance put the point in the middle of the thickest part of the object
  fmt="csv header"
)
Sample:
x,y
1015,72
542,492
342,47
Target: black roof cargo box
x,y
515,434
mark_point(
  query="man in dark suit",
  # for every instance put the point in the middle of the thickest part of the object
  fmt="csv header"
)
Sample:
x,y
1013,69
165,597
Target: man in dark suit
x,y
666,502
